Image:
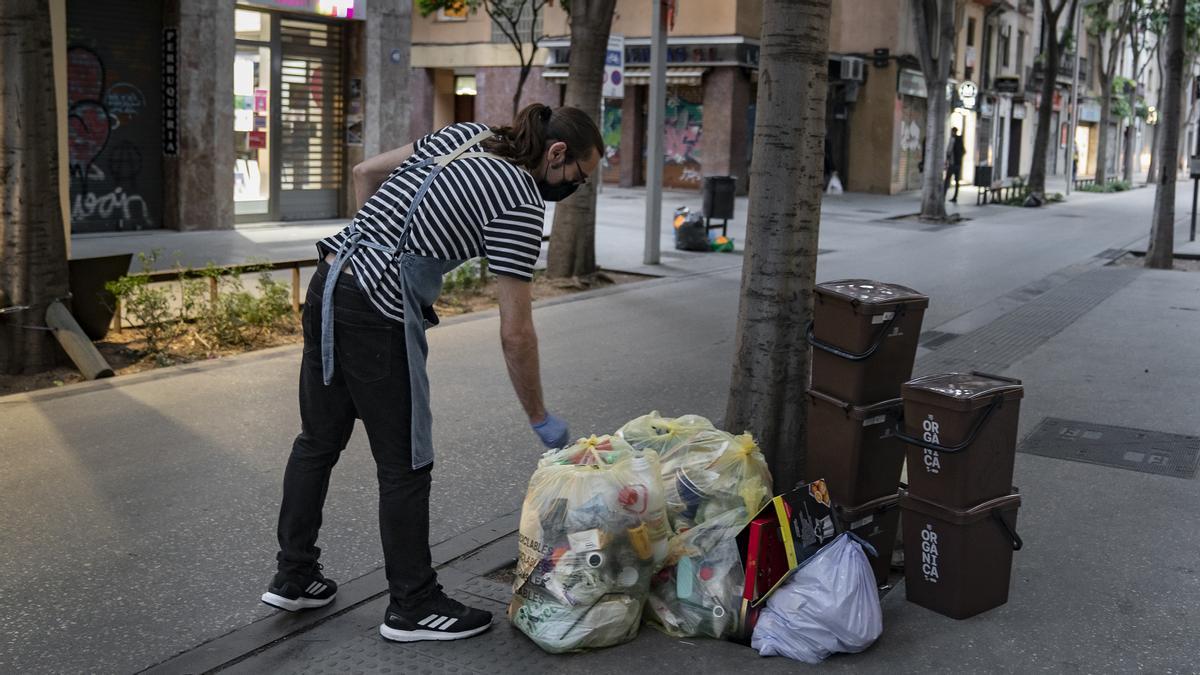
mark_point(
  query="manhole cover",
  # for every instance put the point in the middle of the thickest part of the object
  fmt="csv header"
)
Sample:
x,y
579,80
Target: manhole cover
x,y
1120,447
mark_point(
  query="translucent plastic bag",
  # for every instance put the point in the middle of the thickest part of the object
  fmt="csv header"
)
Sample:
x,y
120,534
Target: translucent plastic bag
x,y
593,531
829,605
714,472
699,592
661,434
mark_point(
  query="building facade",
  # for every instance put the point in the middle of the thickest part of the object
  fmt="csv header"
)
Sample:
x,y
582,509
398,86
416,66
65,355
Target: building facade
x,y
464,69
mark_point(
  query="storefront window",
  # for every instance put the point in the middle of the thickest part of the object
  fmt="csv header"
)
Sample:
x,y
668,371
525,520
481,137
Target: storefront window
x,y
251,128
251,25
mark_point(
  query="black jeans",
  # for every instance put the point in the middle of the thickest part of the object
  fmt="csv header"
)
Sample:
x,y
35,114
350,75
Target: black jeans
x,y
370,383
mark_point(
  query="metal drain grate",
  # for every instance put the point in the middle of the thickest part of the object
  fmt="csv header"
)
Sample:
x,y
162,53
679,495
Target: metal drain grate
x,y
932,339
1121,447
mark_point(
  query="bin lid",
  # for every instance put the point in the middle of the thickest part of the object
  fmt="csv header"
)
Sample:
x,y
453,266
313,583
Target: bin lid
x,y
859,412
868,292
968,390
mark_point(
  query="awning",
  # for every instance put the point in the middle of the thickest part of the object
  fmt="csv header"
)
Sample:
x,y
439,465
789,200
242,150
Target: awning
x,y
677,75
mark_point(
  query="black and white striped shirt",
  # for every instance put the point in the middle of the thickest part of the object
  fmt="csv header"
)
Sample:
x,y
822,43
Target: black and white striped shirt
x,y
477,207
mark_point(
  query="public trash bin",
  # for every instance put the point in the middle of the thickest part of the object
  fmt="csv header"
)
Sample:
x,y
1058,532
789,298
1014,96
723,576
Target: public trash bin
x,y
961,431
958,562
854,448
718,196
983,175
876,522
864,336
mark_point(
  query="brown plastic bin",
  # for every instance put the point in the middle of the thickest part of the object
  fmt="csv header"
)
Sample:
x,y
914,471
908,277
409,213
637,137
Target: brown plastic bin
x,y
958,562
864,337
961,431
876,522
854,448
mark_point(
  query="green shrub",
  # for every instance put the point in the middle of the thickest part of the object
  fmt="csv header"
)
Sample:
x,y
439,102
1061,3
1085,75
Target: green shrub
x,y
466,277
149,306
1110,186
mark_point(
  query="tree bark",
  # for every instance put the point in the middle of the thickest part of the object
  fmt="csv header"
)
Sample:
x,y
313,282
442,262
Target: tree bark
x,y
32,240
1162,229
1131,126
573,238
771,362
1041,140
935,19
1101,173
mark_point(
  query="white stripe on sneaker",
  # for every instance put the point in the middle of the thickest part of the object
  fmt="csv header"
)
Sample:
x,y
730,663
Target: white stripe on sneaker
x,y
320,588
427,619
441,619
310,587
446,626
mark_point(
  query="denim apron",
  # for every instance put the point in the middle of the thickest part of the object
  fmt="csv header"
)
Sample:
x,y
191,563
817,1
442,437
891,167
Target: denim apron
x,y
420,286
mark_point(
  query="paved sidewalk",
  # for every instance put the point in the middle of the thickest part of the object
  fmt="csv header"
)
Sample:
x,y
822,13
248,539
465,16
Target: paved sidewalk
x,y
153,496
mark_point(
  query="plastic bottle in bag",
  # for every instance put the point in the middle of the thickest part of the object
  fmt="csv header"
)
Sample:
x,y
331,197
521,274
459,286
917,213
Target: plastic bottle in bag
x,y
650,506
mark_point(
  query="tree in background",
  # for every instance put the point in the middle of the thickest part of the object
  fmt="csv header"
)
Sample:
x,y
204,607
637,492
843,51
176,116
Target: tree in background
x,y
1156,21
506,15
1057,39
32,239
771,362
573,237
936,23
1110,22
1161,254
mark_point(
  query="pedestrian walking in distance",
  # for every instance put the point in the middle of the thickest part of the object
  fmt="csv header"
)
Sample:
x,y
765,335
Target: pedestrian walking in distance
x,y
954,160
463,192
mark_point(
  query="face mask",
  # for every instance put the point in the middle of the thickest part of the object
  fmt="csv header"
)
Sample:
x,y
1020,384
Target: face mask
x,y
556,193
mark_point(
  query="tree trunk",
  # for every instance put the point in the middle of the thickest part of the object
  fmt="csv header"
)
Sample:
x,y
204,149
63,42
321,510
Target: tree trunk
x,y
936,69
1101,173
1162,229
1041,140
1131,127
32,241
573,239
1156,138
771,362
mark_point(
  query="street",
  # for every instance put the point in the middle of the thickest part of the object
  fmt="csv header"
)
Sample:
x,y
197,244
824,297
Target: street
x,y
138,513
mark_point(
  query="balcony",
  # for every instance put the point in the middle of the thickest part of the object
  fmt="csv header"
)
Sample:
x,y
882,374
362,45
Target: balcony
x,y
1066,70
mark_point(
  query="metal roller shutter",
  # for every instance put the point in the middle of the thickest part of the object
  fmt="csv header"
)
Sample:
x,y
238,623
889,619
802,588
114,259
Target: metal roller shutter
x,y
311,150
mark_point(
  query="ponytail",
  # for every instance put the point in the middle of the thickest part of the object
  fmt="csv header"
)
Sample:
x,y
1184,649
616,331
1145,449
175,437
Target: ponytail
x,y
537,126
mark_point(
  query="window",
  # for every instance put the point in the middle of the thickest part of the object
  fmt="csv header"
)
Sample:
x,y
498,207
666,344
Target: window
x,y
970,32
1020,51
1005,47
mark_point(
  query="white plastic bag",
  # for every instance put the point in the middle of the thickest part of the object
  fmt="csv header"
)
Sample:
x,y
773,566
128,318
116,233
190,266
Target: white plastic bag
x,y
829,605
835,185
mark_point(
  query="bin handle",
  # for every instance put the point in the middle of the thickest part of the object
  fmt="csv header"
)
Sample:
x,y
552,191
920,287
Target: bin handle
x,y
1017,544
852,356
921,443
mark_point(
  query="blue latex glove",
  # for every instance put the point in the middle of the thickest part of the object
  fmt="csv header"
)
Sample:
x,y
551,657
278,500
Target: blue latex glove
x,y
553,432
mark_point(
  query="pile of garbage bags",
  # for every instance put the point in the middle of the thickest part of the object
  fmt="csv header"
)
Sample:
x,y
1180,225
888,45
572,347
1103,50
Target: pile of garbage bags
x,y
647,520
648,516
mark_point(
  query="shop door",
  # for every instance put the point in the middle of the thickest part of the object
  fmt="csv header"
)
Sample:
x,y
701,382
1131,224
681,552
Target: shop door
x,y
311,150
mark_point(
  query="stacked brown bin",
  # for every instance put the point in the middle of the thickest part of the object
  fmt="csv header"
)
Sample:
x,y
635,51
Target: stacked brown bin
x,y
864,338
960,509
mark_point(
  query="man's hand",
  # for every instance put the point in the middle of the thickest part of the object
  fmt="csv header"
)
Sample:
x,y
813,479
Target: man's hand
x,y
553,432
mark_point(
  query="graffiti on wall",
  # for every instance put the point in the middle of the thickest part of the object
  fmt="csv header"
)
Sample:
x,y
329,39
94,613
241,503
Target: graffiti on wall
x,y
103,173
611,131
683,128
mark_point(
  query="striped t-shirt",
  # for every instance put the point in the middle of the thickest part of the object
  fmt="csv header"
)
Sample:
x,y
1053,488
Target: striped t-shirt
x,y
476,207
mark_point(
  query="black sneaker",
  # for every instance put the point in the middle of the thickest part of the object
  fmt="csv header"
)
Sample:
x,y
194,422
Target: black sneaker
x,y
439,618
295,593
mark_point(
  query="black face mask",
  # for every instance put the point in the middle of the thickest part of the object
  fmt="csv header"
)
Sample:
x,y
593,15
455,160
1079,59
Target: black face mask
x,y
559,192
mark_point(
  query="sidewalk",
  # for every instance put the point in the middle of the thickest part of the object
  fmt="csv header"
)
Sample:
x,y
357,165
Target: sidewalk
x,y
1106,581
620,232
153,496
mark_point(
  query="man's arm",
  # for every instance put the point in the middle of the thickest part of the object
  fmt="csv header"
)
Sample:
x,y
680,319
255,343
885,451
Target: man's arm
x,y
519,343
370,173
